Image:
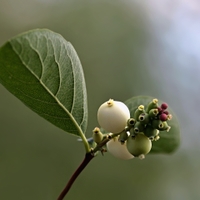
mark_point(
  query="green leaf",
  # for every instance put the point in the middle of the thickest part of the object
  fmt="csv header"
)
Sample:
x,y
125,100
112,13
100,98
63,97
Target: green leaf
x,y
43,70
169,141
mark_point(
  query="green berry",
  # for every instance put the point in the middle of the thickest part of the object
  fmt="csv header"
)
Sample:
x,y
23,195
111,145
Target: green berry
x,y
139,145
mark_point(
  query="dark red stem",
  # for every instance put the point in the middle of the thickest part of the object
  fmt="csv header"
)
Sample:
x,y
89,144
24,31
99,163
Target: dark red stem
x,y
87,159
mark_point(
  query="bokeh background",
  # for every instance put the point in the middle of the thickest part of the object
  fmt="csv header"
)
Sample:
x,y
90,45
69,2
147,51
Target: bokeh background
x,y
127,48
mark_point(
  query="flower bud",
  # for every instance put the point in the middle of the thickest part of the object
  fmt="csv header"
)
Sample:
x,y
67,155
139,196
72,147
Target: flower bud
x,y
151,132
139,145
139,111
97,135
164,106
138,128
131,122
118,149
157,124
153,113
153,104
143,118
163,117
164,127
113,116
123,137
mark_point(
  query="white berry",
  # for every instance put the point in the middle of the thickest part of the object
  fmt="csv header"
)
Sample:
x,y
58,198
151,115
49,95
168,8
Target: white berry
x,y
113,116
118,150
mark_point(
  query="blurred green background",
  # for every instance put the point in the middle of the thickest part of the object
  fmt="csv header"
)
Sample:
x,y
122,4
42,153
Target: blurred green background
x,y
127,48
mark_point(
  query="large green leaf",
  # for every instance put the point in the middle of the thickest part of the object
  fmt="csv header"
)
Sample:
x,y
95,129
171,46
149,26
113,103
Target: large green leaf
x,y
43,70
169,141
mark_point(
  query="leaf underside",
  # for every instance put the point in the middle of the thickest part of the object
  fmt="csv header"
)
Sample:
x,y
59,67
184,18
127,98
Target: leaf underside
x,y
169,141
43,70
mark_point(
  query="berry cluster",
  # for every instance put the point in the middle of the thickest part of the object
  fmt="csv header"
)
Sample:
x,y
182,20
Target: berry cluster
x,y
150,121
131,137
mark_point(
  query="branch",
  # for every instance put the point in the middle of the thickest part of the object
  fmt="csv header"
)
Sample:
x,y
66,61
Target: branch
x,y
87,159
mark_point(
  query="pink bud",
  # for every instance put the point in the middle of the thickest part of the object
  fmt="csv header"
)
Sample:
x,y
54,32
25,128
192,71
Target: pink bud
x,y
159,109
164,106
163,117
166,112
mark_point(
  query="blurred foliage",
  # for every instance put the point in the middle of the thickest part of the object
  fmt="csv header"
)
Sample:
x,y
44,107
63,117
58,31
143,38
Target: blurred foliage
x,y
127,48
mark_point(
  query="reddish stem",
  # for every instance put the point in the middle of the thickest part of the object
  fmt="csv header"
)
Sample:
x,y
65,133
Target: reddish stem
x,y
87,159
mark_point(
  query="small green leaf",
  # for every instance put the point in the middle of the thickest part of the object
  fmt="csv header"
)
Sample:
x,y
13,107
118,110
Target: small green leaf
x,y
169,141
43,70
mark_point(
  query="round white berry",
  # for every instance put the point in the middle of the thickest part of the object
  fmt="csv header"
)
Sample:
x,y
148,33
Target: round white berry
x,y
113,116
118,149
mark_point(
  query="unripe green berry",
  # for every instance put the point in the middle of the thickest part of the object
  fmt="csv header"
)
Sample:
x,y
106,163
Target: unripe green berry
x,y
113,116
139,145
118,149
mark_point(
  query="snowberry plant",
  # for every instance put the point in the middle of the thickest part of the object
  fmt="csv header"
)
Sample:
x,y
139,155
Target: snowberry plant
x,y
43,70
